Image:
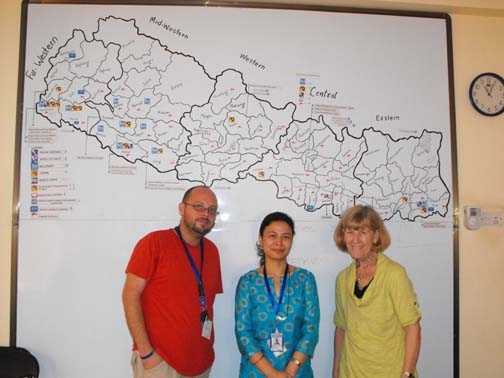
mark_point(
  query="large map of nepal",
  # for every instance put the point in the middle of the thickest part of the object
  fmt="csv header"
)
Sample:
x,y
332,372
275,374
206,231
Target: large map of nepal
x,y
145,103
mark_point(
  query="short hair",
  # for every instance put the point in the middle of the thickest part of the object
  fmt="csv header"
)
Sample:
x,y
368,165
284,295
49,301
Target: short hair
x,y
357,216
188,192
277,216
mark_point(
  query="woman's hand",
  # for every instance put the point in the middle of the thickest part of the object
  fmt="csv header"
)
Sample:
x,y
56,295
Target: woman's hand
x,y
279,374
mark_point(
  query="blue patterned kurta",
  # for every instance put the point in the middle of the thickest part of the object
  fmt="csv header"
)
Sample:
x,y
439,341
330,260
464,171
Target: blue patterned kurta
x,y
255,320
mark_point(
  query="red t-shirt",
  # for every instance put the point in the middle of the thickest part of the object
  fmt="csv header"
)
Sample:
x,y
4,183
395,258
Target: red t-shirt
x,y
170,301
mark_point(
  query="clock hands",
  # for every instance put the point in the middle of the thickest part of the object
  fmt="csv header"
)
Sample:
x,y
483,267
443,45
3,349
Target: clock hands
x,y
489,88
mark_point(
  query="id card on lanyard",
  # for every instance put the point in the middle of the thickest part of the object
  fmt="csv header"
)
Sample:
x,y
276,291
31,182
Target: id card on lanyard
x,y
206,331
276,342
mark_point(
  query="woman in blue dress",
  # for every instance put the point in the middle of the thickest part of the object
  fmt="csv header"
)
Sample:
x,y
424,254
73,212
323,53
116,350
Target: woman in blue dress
x,y
277,310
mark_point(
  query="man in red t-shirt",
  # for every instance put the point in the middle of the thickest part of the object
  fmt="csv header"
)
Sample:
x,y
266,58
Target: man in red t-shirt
x,y
172,279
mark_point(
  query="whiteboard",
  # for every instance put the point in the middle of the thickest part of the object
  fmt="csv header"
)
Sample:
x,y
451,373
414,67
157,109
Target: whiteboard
x,y
306,111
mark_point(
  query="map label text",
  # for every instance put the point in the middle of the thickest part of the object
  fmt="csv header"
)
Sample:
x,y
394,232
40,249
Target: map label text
x,y
315,92
387,117
31,73
168,27
252,61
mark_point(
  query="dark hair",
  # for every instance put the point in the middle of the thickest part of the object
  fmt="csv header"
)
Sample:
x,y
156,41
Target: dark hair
x,y
277,216
357,216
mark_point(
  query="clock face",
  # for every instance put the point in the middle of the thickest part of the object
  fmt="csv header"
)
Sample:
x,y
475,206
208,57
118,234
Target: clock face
x,y
487,94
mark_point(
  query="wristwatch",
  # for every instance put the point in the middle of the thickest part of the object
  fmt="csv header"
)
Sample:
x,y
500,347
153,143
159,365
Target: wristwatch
x,y
408,374
296,361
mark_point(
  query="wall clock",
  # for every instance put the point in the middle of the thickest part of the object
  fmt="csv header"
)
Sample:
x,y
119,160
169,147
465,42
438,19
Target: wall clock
x,y
487,94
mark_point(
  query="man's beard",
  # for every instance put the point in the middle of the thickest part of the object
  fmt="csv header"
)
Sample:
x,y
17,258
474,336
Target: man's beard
x,y
201,230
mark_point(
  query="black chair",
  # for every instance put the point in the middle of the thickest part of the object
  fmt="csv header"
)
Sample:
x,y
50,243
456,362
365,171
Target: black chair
x,y
16,362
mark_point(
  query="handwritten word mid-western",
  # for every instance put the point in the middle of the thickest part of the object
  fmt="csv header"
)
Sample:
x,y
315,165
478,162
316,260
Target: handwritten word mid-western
x,y
168,27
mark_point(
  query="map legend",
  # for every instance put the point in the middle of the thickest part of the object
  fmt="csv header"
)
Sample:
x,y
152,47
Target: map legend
x,y
52,191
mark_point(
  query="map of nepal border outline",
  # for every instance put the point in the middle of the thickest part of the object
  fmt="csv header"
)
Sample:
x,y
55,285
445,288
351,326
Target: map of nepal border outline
x,y
145,103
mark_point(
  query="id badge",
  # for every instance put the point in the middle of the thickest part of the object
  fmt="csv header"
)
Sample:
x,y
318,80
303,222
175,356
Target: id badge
x,y
206,332
276,344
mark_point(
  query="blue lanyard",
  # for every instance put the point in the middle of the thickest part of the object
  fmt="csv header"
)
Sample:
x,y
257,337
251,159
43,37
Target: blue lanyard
x,y
201,289
282,290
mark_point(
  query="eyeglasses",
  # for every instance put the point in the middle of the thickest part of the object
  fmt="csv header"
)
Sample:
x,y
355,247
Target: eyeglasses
x,y
201,209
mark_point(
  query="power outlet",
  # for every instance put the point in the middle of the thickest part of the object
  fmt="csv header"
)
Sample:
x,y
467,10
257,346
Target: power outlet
x,y
491,219
474,218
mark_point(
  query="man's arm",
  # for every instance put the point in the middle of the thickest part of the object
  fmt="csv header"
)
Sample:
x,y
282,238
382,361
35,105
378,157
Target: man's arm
x,y
132,292
339,336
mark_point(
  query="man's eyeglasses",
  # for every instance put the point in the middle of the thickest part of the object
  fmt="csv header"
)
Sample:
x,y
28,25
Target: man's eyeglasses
x,y
201,209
